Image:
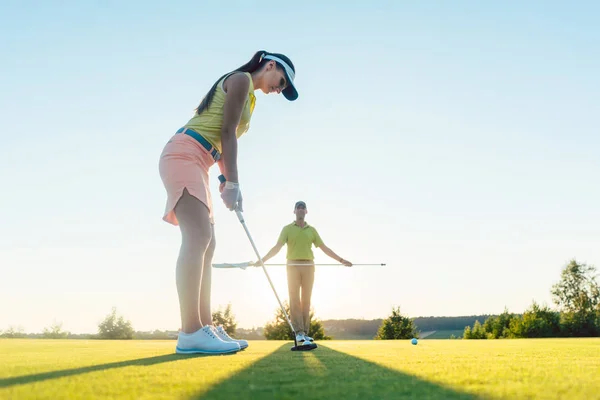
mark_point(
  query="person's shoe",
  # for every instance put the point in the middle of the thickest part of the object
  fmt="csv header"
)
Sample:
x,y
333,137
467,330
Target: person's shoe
x,y
222,333
300,337
204,341
308,339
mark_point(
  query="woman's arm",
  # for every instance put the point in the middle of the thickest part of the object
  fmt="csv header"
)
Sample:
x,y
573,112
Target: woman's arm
x,y
236,87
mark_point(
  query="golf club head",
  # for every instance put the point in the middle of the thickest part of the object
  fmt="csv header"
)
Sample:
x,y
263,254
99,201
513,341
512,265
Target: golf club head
x,y
305,347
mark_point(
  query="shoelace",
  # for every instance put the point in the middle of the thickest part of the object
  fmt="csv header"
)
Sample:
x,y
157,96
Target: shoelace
x,y
224,333
210,332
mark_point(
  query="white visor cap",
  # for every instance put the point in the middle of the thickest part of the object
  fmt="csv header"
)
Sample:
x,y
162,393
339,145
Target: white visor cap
x,y
290,91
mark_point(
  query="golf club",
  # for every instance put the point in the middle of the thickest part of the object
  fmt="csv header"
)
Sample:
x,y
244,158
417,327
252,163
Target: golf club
x,y
303,347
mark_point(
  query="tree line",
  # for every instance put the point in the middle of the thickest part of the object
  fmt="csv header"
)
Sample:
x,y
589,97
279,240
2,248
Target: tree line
x,y
577,297
115,326
367,329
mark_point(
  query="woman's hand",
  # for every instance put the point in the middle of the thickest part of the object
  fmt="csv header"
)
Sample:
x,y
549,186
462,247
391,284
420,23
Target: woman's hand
x,y
231,195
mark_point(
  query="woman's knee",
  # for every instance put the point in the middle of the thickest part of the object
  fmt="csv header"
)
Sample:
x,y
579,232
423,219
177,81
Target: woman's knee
x,y
210,250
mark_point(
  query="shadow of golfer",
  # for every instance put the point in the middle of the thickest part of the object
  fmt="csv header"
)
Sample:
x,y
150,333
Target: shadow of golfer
x,y
325,374
43,376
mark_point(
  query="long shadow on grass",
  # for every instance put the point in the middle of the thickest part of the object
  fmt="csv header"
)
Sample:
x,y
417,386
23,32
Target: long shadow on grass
x,y
325,374
24,379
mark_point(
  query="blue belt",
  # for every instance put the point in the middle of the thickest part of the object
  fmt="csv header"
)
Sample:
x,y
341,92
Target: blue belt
x,y
200,139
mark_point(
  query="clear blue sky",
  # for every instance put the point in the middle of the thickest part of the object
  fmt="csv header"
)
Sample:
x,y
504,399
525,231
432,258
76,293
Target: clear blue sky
x,y
457,143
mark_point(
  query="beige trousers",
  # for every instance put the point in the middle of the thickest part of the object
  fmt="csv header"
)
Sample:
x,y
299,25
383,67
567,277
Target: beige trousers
x,y
300,279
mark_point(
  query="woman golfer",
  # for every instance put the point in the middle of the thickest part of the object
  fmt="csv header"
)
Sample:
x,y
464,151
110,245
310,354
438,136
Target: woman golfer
x,y
210,137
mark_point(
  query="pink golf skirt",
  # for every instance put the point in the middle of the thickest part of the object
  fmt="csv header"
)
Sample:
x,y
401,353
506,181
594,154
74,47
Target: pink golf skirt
x,y
184,164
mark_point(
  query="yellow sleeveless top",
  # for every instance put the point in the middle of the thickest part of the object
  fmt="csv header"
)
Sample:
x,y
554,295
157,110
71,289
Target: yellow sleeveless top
x,y
210,121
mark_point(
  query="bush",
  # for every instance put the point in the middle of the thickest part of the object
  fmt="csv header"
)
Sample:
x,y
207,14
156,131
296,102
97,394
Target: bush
x,y
579,324
536,322
498,327
55,332
397,326
13,332
279,329
476,333
114,327
226,319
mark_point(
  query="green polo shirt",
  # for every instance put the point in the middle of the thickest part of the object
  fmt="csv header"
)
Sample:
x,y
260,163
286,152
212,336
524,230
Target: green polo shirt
x,y
299,241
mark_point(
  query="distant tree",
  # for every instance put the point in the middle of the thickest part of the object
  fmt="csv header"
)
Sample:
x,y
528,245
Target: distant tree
x,y
584,324
578,296
55,332
497,327
477,332
13,332
536,322
492,328
115,327
577,291
397,326
279,329
467,332
225,318
317,330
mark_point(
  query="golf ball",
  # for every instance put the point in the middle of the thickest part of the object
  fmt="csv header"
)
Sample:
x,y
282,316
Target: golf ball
x,y
414,341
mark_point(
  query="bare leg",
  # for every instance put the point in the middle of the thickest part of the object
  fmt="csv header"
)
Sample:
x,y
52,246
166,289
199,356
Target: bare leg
x,y
204,305
196,234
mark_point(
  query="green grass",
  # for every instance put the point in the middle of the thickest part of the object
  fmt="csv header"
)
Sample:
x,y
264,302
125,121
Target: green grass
x,y
434,369
445,334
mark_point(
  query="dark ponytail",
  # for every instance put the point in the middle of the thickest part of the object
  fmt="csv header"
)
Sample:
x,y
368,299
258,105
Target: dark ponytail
x,y
253,65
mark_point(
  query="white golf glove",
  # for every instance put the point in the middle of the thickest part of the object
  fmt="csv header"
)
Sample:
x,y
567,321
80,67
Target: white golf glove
x,y
232,196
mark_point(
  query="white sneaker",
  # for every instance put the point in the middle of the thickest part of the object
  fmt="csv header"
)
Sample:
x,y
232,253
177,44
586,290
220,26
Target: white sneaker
x,y
203,341
222,333
300,337
308,338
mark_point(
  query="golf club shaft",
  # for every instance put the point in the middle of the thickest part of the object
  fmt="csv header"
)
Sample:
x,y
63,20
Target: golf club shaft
x,y
317,265
241,218
247,265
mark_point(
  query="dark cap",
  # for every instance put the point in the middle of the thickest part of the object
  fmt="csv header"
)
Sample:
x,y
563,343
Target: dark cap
x,y
300,203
